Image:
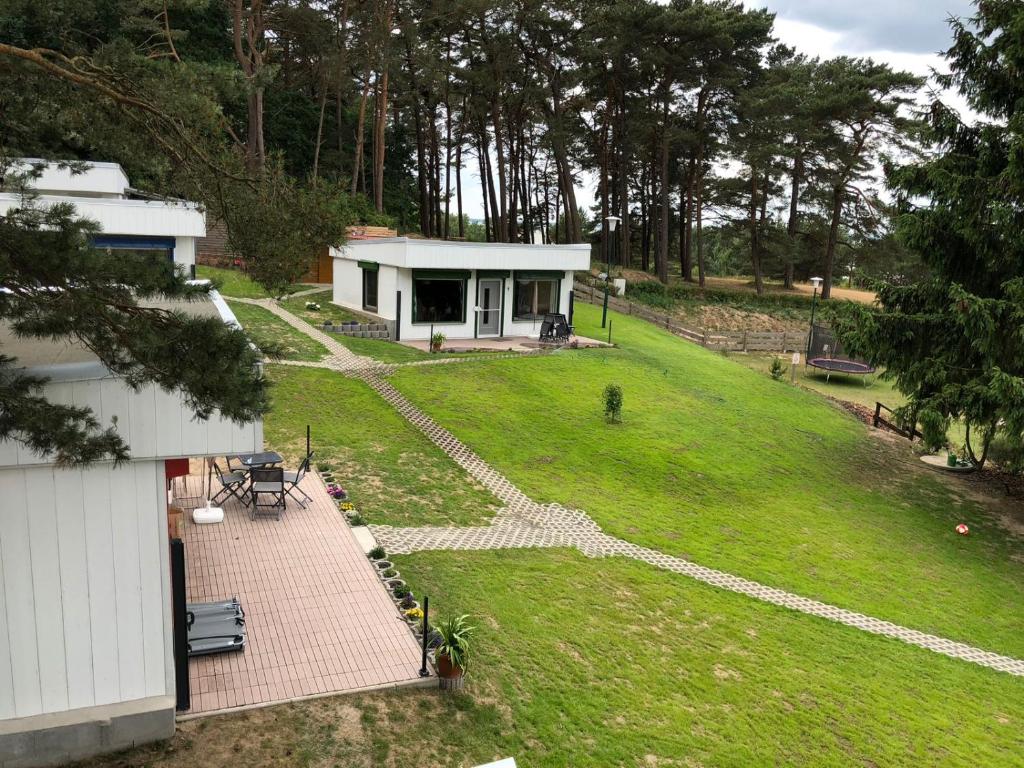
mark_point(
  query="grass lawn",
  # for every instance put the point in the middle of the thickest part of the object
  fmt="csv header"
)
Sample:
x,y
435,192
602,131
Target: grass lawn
x,y
268,330
612,663
724,466
393,473
234,282
332,312
378,349
851,389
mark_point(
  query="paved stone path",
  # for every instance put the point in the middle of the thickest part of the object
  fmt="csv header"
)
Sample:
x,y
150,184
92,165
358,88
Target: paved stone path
x,y
523,523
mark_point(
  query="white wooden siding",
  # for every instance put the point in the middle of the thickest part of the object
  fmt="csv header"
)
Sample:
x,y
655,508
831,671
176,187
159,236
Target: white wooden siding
x,y
155,423
84,589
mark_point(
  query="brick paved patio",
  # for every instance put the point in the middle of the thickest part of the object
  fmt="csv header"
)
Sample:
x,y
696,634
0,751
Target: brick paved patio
x,y
319,620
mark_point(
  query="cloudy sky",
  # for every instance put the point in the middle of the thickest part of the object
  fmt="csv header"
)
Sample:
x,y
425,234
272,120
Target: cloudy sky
x,y
907,34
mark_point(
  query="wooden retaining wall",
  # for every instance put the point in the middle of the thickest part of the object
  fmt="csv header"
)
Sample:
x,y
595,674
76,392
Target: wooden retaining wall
x,y
726,341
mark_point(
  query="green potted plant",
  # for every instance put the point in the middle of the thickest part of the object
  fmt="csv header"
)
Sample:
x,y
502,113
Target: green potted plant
x,y
456,640
437,341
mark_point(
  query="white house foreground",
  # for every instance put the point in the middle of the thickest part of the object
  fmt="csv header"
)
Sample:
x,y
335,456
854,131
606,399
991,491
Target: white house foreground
x,y
463,290
129,220
86,645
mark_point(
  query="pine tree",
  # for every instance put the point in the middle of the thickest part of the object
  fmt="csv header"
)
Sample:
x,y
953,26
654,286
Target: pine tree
x,y
954,342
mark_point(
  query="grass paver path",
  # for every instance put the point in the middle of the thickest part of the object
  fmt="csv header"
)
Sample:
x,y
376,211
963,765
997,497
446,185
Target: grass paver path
x,y
523,522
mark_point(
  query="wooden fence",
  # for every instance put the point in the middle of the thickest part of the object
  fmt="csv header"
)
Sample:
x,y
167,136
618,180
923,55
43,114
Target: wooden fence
x,y
726,341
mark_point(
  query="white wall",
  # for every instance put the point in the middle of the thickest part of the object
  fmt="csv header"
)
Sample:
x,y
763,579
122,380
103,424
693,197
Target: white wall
x,y
155,423
348,288
84,587
415,331
185,252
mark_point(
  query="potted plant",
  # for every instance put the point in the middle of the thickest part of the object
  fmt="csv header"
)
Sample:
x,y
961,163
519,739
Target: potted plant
x,y
414,615
452,655
437,341
383,565
400,591
408,602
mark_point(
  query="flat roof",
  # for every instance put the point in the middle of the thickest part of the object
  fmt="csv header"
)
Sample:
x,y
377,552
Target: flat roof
x,y
414,253
96,178
62,359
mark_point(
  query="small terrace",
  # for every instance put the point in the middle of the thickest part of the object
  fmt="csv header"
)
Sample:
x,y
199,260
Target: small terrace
x,y
319,620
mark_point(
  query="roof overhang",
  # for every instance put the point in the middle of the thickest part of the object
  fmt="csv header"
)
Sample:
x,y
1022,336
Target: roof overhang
x,y
411,253
151,218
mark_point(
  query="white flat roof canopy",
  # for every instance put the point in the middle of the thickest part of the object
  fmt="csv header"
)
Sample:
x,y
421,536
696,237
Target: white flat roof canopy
x,y
102,194
413,253
97,178
149,218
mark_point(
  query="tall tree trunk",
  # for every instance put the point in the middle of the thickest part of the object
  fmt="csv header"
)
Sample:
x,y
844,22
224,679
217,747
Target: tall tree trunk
x,y
499,149
686,226
378,149
661,257
513,186
755,244
699,215
447,169
481,154
796,177
319,135
421,170
833,239
435,153
249,42
491,191
458,187
357,163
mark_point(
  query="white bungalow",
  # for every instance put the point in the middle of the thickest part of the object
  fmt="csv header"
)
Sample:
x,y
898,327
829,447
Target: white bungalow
x,y
128,219
463,290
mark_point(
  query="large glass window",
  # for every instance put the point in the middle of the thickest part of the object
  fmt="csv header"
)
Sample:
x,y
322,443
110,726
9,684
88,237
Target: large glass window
x,y
370,289
439,300
533,299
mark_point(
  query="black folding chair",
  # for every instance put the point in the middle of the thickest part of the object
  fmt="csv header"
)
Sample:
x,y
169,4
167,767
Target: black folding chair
x,y
293,479
232,485
267,481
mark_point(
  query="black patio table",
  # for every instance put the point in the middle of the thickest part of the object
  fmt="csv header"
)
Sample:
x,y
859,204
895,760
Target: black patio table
x,y
263,459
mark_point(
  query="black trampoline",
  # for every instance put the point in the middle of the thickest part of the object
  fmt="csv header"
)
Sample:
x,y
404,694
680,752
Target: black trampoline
x,y
825,353
835,365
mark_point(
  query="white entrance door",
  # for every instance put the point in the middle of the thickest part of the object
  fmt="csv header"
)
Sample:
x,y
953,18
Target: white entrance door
x,y
489,300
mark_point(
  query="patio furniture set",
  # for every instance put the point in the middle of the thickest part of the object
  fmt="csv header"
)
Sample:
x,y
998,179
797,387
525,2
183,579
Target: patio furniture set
x,y
260,483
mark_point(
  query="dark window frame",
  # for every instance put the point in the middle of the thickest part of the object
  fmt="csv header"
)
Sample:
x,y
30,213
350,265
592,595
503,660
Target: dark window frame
x,y
463,281
374,307
517,287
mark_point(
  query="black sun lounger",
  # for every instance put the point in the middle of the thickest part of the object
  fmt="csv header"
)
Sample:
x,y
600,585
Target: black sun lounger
x,y
208,645
215,627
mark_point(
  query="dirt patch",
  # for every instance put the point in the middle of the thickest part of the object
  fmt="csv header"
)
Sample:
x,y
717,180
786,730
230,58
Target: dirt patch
x,y
720,317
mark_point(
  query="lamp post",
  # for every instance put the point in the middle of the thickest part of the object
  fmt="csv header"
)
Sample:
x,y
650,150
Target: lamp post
x,y
816,282
609,243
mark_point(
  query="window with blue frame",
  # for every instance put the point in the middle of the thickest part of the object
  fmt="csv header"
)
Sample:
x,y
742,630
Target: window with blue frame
x,y
160,247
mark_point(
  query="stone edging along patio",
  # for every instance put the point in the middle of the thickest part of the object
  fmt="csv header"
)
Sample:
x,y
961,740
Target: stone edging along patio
x,y
523,523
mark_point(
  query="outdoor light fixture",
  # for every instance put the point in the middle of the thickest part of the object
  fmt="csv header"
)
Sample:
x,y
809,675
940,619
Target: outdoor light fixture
x,y
612,222
816,282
